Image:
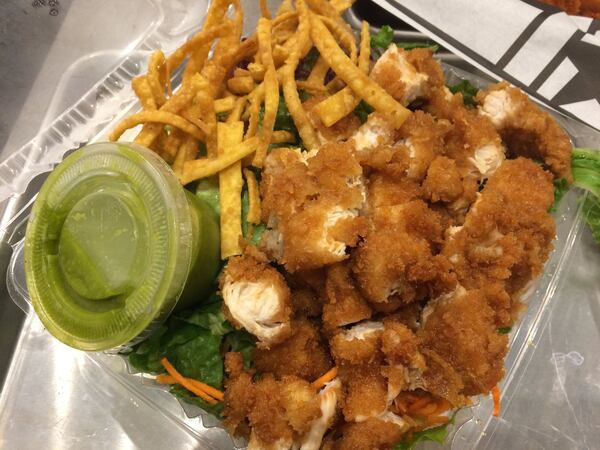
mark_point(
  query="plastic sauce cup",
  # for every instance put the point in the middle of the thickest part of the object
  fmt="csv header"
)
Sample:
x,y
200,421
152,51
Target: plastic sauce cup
x,y
114,244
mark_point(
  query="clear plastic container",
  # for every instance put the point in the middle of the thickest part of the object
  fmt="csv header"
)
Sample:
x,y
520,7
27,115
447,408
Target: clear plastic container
x,y
551,389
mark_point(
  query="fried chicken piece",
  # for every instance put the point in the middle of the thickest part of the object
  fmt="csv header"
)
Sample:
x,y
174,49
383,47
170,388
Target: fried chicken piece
x,y
400,345
375,132
398,76
311,205
423,137
507,235
390,191
306,303
374,433
329,399
460,327
441,379
388,160
443,182
340,131
238,395
396,259
282,411
526,129
360,344
365,392
256,298
345,305
303,354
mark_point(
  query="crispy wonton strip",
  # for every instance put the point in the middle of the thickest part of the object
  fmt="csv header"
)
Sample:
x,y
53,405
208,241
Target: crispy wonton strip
x,y
229,135
174,104
202,38
157,76
318,72
214,18
264,9
341,5
271,86
224,104
256,99
236,112
205,167
360,83
346,39
254,211
290,90
281,136
343,102
187,151
141,87
156,117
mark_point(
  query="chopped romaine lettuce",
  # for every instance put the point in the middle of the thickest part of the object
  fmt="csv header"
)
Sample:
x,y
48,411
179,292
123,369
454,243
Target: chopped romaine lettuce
x,y
411,45
468,91
436,434
586,175
383,38
362,110
561,187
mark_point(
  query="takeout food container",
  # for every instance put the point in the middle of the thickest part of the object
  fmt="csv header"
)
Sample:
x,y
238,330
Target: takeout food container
x,y
114,244
548,393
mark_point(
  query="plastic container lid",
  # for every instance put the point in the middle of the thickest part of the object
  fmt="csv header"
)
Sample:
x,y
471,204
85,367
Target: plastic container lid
x,y
108,246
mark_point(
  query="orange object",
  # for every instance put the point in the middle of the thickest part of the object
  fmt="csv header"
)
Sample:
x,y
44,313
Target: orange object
x,y
165,379
326,378
496,397
437,420
193,386
418,404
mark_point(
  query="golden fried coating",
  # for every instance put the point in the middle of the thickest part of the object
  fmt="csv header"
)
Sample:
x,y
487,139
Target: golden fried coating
x,y
365,392
460,327
340,131
300,402
373,433
345,305
396,259
507,235
304,354
400,345
398,76
311,205
440,378
443,182
256,298
389,191
360,344
238,395
526,129
423,138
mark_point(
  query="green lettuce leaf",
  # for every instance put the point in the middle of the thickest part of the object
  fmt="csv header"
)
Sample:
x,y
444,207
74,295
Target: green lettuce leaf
x,y
436,434
362,110
383,38
586,175
467,89
561,187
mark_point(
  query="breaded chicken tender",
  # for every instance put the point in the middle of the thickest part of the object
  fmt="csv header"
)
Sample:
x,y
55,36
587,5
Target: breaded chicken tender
x,y
360,344
508,232
526,129
375,132
311,205
329,399
256,298
238,395
460,327
374,433
396,258
345,305
365,392
398,76
443,181
304,354
400,345
423,137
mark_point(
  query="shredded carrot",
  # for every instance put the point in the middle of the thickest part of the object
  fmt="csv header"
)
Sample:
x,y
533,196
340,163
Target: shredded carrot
x,y
436,419
427,410
168,379
418,404
326,378
496,397
192,387
443,406
165,379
